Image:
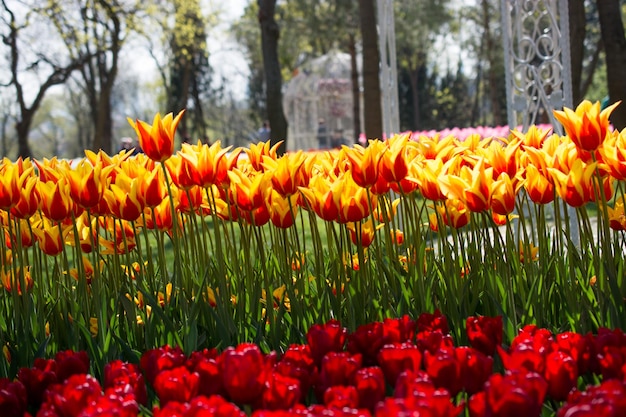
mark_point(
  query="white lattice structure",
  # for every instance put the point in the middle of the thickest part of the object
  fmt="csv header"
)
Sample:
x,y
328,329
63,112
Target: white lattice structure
x,y
537,66
322,89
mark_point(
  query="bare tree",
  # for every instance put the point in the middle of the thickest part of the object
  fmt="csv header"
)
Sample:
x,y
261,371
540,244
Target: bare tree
x,y
56,73
270,34
98,31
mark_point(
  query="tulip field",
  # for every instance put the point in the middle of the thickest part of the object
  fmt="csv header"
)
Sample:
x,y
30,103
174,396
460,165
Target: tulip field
x,y
422,275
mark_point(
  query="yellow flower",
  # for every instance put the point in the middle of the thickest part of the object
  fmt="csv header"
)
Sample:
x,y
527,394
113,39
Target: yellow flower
x,y
588,125
93,326
157,140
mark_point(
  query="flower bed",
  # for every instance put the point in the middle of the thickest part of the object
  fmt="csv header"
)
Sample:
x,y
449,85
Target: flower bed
x,y
389,368
117,256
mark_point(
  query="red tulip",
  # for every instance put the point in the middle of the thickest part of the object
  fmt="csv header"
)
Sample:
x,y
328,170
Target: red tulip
x,y
338,368
340,396
396,358
476,368
484,333
243,373
120,374
154,361
37,379
324,338
434,321
281,392
399,330
370,386
607,399
73,396
176,384
70,363
298,363
207,365
201,406
561,375
112,404
444,370
12,398
412,384
515,394
367,340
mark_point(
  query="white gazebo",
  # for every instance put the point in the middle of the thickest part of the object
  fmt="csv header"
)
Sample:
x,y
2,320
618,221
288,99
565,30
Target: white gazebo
x,y
322,90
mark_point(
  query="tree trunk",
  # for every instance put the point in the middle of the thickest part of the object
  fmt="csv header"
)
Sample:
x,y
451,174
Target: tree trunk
x,y
270,33
491,74
414,78
373,118
612,30
577,23
23,129
356,95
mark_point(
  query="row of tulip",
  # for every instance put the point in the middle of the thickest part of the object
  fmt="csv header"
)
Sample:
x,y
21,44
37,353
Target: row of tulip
x,y
141,245
389,368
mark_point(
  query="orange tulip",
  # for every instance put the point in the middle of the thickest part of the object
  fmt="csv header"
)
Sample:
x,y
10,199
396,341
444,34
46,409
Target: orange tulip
x,y
281,210
152,189
157,140
28,203
323,197
286,172
354,202
56,202
258,152
50,238
122,198
427,179
12,279
533,138
188,201
163,219
87,183
363,232
249,190
394,163
183,172
539,187
87,233
617,218
364,162
613,152
435,147
25,238
11,183
211,162
502,195
576,186
587,126
454,213
471,186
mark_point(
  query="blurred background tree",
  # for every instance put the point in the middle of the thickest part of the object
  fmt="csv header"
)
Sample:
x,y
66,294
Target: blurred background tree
x,y
72,71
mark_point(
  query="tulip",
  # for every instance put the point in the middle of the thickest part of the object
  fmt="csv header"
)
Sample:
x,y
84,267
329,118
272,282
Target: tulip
x,y
249,190
513,394
282,210
258,152
396,358
123,200
298,363
287,173
337,368
484,333
367,340
11,183
28,202
87,183
588,125
427,179
502,195
244,373
281,392
561,374
120,375
50,239
37,379
155,361
183,173
325,338
69,363
364,163
56,202
341,396
177,384
444,370
73,396
433,322
475,367
157,140
370,386
12,279
152,189
539,187
576,186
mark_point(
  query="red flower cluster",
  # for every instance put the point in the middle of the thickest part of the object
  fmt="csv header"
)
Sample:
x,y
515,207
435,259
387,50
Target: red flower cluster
x,y
344,374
